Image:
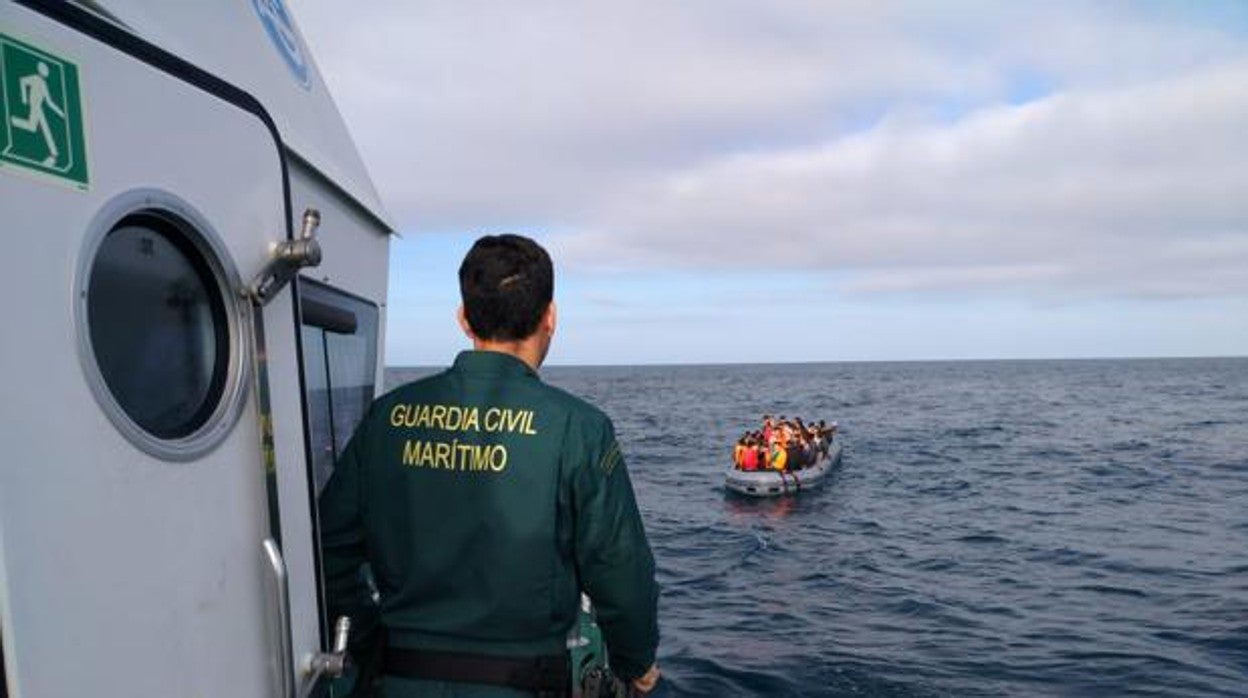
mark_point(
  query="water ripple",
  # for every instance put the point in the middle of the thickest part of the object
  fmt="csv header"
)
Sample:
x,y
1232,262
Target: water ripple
x,y
1034,528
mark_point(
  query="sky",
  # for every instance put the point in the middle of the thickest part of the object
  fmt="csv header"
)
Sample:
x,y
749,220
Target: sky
x,y
721,181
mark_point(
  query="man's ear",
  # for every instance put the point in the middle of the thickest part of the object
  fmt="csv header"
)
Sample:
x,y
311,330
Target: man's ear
x,y
463,322
550,319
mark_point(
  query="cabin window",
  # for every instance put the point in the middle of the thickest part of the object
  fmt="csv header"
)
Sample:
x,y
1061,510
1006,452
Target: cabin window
x,y
340,369
159,328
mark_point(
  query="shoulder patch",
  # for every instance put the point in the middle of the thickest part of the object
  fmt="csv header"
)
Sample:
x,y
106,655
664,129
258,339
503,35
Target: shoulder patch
x,y
610,459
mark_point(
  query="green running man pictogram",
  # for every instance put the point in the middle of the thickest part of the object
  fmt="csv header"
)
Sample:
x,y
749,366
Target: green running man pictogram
x,y
35,94
42,130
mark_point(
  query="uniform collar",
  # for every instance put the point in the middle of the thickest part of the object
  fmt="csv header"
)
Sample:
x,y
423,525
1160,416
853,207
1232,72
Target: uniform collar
x,y
492,362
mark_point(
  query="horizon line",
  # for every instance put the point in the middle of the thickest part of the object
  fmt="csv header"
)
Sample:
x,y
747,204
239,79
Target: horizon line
x,y
856,361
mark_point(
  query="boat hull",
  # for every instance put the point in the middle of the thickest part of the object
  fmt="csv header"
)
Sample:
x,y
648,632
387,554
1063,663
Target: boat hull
x,y
771,483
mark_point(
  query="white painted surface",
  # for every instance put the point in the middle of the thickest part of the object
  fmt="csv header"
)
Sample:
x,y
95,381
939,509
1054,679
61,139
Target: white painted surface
x,y
110,558
228,39
127,574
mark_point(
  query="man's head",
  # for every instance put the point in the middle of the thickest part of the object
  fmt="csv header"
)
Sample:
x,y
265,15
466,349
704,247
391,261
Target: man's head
x,y
507,283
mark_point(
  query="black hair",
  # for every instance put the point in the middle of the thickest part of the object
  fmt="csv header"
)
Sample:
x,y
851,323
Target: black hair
x,y
506,283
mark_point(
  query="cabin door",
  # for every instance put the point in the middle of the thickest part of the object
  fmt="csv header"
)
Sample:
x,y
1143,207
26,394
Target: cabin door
x,y
140,197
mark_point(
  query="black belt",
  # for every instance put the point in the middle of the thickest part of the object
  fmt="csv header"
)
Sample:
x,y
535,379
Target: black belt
x,y
546,674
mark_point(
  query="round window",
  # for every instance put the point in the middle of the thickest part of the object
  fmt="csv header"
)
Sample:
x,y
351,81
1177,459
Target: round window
x,y
159,327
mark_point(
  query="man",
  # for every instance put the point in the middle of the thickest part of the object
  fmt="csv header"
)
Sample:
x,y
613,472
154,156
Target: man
x,y
485,501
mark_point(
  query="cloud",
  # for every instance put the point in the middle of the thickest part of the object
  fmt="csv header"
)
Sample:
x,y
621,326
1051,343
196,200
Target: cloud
x,y
1047,148
1049,192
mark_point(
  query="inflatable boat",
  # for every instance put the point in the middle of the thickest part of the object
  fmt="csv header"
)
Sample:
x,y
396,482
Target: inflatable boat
x,y
773,483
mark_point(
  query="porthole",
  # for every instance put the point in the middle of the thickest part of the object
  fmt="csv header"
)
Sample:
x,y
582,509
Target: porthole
x,y
160,330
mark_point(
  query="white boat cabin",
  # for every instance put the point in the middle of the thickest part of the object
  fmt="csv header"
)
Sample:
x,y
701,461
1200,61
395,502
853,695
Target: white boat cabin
x,y
196,280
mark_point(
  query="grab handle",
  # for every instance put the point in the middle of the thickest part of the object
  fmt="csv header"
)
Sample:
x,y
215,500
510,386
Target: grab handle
x,y
279,596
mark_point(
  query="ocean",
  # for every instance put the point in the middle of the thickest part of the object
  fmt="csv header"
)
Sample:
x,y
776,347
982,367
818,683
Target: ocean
x,y
997,528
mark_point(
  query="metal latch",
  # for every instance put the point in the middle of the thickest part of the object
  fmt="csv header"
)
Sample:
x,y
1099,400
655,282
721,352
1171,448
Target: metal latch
x,y
333,663
287,258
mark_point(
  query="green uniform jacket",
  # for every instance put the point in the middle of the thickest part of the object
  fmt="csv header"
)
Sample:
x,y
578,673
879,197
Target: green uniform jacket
x,y
485,501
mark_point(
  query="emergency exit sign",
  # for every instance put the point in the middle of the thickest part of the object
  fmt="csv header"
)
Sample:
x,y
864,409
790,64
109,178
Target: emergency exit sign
x,y
41,103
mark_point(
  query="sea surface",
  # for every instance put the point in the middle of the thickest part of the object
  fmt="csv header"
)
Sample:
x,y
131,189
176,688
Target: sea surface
x,y
1020,528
